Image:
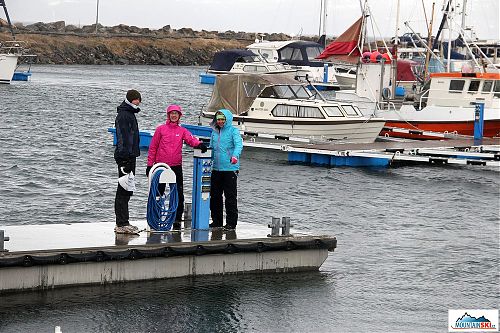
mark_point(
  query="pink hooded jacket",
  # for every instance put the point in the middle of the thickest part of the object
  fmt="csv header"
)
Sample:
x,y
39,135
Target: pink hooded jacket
x,y
166,145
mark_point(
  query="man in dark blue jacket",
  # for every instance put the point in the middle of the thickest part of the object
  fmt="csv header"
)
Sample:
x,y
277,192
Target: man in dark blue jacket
x,y
126,152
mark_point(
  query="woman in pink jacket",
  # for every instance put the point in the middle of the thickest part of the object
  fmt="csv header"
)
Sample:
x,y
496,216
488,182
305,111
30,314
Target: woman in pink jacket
x,y
166,147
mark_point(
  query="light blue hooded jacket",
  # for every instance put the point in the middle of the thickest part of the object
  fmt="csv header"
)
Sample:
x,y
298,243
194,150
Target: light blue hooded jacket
x,y
225,143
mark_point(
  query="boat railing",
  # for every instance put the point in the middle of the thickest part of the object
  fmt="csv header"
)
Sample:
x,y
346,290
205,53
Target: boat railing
x,y
12,47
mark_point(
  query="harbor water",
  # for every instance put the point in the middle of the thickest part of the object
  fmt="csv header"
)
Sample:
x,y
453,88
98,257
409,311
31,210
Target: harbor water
x,y
413,242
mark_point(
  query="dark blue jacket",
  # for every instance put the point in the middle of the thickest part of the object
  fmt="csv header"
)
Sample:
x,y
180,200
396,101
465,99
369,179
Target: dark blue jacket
x,y
127,133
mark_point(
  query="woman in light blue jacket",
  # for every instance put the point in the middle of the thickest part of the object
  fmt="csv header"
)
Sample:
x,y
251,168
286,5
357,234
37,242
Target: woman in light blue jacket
x,y
226,147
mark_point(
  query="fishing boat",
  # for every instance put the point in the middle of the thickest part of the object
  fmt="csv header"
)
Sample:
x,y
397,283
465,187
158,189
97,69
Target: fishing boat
x,y
9,53
282,106
449,105
238,61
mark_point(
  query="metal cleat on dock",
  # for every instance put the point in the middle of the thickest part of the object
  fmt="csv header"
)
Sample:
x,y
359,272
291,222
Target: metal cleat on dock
x,y
276,225
2,240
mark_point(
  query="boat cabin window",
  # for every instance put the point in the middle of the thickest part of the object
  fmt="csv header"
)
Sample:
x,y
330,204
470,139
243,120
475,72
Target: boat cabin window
x,y
350,110
268,92
266,54
497,89
252,89
313,52
292,92
474,85
333,111
289,53
254,69
301,92
487,85
272,67
457,85
296,111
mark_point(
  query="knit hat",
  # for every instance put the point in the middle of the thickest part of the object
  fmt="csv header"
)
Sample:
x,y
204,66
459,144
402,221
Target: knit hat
x,y
132,95
220,116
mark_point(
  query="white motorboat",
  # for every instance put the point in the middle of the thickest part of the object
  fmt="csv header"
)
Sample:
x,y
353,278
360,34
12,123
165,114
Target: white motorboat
x,y
9,53
281,106
301,56
237,61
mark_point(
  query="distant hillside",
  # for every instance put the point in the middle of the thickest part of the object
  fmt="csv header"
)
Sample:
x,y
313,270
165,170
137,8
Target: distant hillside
x,y
58,43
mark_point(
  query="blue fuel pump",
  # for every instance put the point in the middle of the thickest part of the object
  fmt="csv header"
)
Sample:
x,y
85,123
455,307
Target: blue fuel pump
x,y
202,170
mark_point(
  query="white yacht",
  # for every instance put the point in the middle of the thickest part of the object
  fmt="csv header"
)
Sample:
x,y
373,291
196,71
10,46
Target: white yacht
x,y
301,56
237,61
281,106
9,53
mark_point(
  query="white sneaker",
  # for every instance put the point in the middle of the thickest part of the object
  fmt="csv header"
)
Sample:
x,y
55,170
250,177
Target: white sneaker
x,y
126,229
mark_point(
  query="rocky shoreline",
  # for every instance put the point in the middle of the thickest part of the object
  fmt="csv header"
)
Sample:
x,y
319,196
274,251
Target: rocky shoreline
x,y
58,43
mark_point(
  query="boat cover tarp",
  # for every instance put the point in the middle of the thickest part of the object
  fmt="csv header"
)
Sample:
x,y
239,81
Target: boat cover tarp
x,y
345,47
236,92
224,60
301,53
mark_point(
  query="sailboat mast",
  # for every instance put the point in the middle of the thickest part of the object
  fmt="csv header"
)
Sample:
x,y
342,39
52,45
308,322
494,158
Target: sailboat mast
x,y
429,43
394,65
2,3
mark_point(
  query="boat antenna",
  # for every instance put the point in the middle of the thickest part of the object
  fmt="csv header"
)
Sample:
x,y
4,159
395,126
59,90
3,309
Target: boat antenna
x,y
2,3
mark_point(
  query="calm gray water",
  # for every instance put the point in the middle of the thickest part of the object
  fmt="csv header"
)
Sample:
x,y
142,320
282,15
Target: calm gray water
x,y
413,242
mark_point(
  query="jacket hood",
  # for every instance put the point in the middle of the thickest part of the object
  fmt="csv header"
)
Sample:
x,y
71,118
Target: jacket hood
x,y
172,108
127,106
229,118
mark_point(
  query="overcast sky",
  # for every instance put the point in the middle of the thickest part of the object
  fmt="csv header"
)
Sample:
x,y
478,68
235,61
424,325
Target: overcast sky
x,y
292,17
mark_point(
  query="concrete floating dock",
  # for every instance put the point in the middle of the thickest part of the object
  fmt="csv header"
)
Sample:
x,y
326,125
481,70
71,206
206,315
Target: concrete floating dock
x,y
453,151
459,152
48,256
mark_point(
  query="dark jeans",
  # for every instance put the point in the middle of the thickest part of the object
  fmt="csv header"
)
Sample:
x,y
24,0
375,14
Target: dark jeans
x,y
224,183
121,201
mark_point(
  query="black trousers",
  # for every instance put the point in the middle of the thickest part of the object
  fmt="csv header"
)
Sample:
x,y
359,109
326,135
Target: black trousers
x,y
177,169
121,200
224,183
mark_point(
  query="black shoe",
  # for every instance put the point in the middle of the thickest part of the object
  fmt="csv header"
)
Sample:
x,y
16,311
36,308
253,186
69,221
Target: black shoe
x,y
177,226
213,225
229,227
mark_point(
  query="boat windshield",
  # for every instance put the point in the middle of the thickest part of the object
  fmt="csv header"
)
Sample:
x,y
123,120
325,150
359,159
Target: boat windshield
x,y
291,92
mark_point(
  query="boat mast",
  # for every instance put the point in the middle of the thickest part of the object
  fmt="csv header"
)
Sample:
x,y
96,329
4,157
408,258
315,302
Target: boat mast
x,y
394,65
97,17
429,43
322,23
2,3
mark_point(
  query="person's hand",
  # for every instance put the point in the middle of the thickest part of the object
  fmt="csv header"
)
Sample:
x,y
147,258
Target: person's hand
x,y
148,168
126,165
202,147
234,160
